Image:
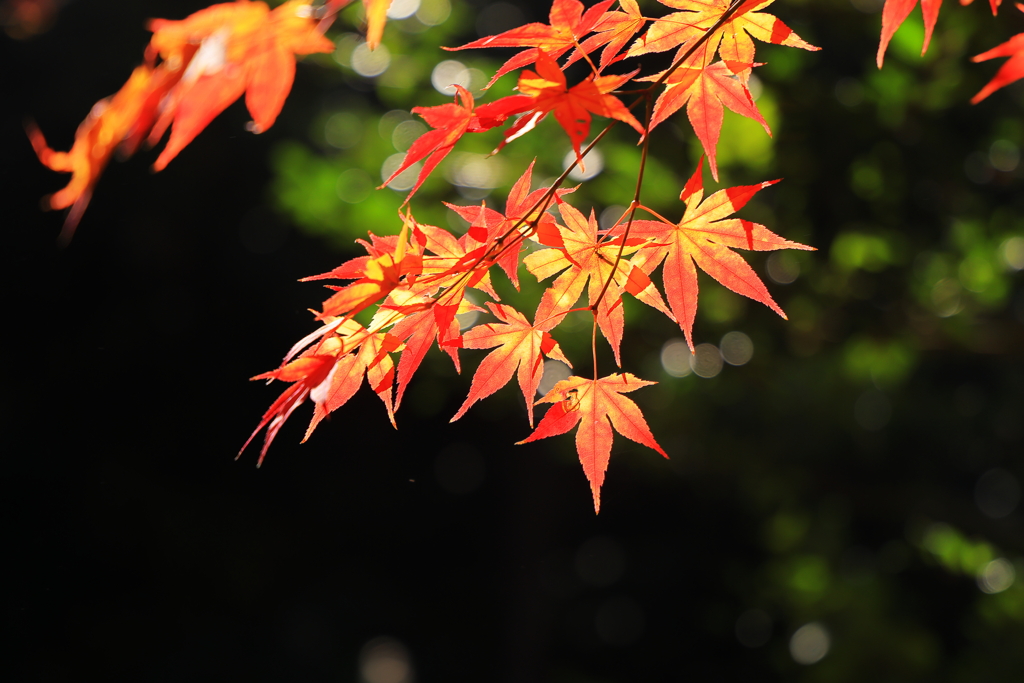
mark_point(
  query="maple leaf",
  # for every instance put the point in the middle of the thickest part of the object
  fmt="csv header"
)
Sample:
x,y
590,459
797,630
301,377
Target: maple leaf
x,y
706,237
306,372
732,40
1012,70
568,23
597,406
346,376
896,12
375,276
488,226
419,331
520,345
584,257
572,106
450,122
244,48
706,91
458,261
613,31
109,124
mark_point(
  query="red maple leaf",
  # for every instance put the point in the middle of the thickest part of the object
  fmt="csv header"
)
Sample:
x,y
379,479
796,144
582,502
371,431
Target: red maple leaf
x,y
895,13
597,406
373,360
1012,70
572,106
705,91
495,230
450,122
568,24
706,237
521,345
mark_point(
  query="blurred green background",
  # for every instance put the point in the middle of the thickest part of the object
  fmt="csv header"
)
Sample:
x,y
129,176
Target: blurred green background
x,y
842,497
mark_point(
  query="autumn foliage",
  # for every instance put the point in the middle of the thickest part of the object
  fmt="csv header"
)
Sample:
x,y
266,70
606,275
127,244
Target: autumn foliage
x,y
416,282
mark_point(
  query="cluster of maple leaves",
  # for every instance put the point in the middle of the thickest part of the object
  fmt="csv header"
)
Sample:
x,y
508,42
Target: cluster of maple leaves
x,y
418,279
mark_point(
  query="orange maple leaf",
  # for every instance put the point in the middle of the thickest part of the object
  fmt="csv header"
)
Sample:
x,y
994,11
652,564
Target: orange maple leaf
x,y
375,275
583,257
597,406
705,91
373,360
521,345
488,226
732,40
613,31
572,106
568,24
111,122
706,237
244,47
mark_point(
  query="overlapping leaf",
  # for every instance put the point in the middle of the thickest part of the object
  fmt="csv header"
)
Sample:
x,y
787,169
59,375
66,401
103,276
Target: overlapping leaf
x,y
568,24
572,106
732,40
896,12
209,60
613,31
597,406
504,232
582,256
450,122
521,345
705,237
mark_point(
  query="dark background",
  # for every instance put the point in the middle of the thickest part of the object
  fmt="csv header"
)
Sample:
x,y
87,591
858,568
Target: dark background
x,y
143,551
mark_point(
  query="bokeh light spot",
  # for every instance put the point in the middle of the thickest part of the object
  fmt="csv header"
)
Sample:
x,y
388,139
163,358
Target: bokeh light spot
x,y
783,268
809,644
402,9
369,63
554,372
343,130
872,410
593,164
406,133
706,361
406,179
466,169
737,348
1012,251
354,186
675,358
996,576
449,73
1004,156
385,660
433,12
